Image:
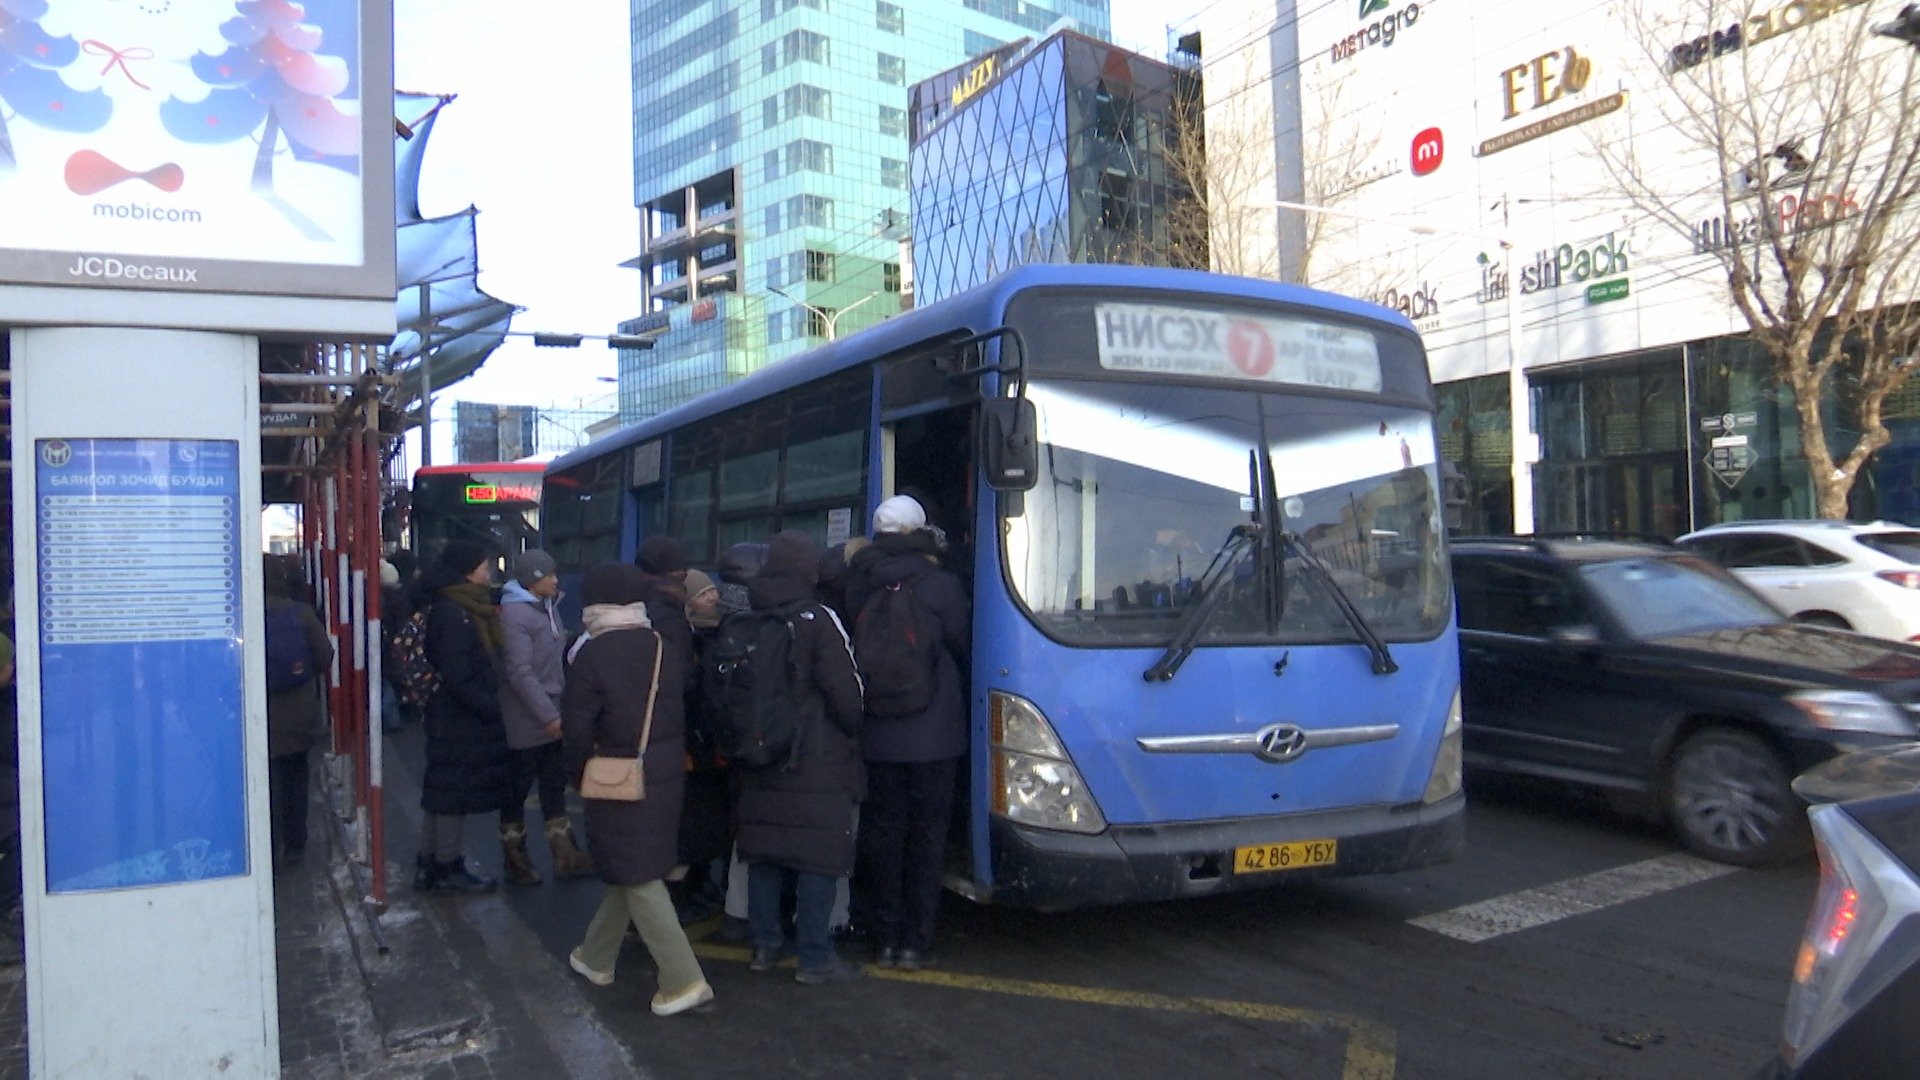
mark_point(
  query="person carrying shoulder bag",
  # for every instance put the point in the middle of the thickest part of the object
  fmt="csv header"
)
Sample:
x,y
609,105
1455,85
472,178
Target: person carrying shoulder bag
x,y
625,699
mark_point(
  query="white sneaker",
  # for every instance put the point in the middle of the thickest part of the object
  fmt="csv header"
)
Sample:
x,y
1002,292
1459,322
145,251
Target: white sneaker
x,y
691,998
597,978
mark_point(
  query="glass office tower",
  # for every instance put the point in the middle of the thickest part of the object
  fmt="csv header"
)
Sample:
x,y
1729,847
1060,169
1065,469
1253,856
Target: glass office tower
x,y
770,166
1057,152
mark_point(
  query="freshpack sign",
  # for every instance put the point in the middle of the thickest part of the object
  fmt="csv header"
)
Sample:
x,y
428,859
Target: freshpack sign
x,y
199,145
1178,341
1568,264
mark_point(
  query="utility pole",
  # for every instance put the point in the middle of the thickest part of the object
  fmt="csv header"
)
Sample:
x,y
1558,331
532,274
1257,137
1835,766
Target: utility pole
x,y
1520,429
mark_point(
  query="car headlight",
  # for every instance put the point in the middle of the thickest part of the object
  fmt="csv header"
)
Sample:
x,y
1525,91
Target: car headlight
x,y
1034,781
1445,778
1852,710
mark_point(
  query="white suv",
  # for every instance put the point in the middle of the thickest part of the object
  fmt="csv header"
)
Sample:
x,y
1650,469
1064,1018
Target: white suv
x,y
1854,575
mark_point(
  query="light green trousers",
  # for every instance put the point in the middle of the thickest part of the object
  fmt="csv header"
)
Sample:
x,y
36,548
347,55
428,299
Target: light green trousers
x,y
650,910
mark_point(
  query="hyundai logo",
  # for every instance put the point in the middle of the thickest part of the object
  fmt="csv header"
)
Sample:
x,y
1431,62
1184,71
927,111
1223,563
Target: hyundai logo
x,y
1280,742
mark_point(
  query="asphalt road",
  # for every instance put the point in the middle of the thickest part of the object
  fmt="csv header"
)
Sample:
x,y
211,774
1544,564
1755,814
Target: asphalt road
x,y
1329,980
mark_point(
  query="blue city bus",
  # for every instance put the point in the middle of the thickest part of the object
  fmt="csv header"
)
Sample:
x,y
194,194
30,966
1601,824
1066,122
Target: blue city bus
x,y
1214,645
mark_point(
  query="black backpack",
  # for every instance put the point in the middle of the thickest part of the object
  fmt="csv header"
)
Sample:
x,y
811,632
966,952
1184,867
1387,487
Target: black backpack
x,y
895,638
750,679
289,658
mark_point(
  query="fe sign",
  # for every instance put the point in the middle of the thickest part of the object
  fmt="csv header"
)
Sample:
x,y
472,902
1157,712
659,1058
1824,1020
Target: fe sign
x,y
1199,342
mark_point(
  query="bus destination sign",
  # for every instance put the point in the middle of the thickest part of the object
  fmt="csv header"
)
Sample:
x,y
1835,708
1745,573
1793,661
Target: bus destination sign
x,y
1162,340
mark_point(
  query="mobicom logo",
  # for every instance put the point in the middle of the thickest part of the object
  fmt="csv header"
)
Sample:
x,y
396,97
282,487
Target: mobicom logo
x,y
1379,32
110,269
1429,150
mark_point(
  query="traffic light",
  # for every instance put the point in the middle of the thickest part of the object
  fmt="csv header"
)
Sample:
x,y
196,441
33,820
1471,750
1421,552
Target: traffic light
x,y
1905,26
629,341
558,341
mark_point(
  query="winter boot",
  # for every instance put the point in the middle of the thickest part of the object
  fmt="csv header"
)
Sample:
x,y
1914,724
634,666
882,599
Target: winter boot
x,y
454,877
426,873
515,866
568,859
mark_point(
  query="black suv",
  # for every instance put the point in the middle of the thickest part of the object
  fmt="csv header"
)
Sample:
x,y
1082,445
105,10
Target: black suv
x,y
1648,672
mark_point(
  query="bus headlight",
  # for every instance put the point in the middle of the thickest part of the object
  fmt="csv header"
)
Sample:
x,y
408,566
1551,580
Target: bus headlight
x,y
1445,778
1034,782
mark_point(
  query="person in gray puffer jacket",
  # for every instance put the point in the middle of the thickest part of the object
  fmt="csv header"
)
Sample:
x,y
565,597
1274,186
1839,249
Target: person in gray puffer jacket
x,y
533,663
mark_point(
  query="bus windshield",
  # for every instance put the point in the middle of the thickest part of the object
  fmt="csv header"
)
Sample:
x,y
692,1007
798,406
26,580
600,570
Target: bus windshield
x,y
1141,484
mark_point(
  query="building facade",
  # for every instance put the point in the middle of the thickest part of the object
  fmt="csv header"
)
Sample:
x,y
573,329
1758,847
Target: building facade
x,y
1443,133
770,167
1055,151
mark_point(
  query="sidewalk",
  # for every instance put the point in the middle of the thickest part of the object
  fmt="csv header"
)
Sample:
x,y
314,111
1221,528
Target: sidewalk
x,y
463,990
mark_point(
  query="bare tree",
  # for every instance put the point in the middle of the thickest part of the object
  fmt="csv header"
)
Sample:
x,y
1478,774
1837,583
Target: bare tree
x,y
1803,144
1222,157
1222,149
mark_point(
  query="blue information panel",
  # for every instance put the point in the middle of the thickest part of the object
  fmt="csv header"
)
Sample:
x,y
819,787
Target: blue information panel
x,y
142,724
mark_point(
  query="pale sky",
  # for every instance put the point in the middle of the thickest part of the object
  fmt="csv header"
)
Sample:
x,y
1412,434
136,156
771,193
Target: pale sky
x,y
541,141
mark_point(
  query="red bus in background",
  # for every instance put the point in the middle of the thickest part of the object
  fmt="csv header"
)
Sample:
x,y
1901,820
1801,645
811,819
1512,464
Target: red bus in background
x,y
495,504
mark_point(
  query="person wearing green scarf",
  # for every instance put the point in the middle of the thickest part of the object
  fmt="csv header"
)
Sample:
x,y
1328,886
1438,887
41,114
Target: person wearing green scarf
x,y
470,768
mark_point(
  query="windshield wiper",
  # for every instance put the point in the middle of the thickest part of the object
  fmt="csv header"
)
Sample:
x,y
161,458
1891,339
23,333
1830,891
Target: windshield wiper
x,y
1207,595
1383,663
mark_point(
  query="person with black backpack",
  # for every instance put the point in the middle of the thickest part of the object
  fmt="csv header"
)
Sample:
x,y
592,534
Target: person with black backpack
x,y
781,683
297,651
913,634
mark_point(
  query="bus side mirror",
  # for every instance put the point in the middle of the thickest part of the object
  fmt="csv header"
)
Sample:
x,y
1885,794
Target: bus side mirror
x,y
1009,447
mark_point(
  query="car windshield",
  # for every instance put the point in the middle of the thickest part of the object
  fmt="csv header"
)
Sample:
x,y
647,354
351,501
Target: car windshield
x,y
1141,484
1657,597
1904,546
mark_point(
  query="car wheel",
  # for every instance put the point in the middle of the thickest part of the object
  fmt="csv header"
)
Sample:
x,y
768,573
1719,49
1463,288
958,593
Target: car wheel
x,y
1730,798
1823,618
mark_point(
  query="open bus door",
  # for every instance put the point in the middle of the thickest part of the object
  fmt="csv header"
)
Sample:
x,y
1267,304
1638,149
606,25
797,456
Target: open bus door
x,y
946,444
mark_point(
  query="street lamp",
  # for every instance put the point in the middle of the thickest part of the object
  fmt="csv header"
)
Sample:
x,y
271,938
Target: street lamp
x,y
827,317
1520,401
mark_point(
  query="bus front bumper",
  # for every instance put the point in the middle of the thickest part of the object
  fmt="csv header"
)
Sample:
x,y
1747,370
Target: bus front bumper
x,y
1051,871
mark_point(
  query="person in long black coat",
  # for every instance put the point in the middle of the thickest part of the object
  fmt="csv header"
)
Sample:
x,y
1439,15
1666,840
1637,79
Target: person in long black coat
x,y
796,823
612,688
470,769
913,762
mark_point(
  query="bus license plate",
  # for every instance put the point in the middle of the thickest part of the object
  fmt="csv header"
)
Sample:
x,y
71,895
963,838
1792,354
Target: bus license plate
x,y
1259,858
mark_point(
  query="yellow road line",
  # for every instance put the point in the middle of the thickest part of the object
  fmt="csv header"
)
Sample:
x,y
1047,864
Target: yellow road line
x,y
1370,1045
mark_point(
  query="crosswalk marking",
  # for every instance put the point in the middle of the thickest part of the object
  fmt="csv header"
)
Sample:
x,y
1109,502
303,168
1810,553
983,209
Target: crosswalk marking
x,y
1513,912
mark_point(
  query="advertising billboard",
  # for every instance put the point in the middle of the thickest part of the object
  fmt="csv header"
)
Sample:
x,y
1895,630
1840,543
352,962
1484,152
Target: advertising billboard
x,y
224,146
